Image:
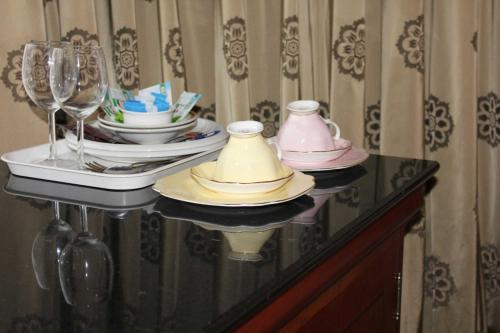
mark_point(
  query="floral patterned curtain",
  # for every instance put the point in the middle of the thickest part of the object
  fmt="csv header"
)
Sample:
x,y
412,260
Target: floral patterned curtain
x,y
415,78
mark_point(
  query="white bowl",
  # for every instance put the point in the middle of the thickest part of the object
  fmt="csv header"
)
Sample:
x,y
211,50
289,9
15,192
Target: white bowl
x,y
110,122
153,119
149,136
203,174
341,147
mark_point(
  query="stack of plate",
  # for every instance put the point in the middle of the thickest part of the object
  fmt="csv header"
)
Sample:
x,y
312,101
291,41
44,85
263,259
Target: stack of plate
x,y
197,185
147,134
247,173
150,152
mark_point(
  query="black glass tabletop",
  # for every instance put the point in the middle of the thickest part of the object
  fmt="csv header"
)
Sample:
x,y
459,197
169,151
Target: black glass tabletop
x,y
79,259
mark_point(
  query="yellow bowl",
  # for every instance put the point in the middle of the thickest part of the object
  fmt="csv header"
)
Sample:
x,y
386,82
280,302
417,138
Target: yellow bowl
x,y
203,174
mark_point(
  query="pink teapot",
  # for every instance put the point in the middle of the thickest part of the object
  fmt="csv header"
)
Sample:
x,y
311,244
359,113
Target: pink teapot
x,y
305,130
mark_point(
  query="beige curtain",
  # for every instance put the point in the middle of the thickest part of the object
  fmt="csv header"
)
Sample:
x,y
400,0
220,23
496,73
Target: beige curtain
x,y
413,78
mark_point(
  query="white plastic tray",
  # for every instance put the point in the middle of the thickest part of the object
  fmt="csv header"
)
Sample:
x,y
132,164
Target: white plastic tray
x,y
21,163
81,195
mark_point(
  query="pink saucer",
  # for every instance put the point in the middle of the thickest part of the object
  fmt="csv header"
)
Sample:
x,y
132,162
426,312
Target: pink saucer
x,y
351,158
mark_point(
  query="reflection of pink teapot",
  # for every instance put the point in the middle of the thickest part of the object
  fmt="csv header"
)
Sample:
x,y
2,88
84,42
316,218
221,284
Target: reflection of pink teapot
x,y
320,197
307,217
305,130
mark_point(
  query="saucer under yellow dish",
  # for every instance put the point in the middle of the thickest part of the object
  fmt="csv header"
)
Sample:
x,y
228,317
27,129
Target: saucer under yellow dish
x,y
181,186
204,175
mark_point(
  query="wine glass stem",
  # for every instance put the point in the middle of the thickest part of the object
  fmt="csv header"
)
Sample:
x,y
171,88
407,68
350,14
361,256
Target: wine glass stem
x,y
81,135
52,135
83,219
55,210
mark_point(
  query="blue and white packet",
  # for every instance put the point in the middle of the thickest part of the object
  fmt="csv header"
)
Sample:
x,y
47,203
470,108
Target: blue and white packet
x,y
184,105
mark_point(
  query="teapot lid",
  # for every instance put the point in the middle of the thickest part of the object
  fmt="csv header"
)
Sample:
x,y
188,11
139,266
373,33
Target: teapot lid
x,y
303,107
245,128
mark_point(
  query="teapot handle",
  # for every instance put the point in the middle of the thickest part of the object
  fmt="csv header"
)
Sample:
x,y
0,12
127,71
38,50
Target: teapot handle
x,y
277,148
332,123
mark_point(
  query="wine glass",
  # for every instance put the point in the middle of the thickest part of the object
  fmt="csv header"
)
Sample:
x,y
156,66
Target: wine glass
x,y
35,77
79,82
47,248
86,269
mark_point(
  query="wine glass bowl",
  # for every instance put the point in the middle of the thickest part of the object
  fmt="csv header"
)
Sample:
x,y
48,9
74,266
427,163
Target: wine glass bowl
x,y
86,269
47,248
78,80
36,81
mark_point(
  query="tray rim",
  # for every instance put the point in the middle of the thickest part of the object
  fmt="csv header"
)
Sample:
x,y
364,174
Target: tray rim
x,y
93,179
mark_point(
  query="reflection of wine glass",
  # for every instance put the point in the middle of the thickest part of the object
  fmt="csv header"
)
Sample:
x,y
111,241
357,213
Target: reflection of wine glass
x,y
86,268
79,81
47,248
35,76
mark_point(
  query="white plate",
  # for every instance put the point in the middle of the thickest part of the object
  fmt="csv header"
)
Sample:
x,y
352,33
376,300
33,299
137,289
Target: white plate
x,y
149,130
203,125
21,163
124,157
105,120
183,187
134,153
150,136
351,158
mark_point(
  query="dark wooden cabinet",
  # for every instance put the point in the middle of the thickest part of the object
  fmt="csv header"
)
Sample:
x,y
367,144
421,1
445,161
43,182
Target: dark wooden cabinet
x,y
356,289
364,299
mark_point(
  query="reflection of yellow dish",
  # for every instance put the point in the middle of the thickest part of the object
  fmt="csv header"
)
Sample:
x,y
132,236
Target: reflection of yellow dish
x,y
245,242
245,246
203,174
181,186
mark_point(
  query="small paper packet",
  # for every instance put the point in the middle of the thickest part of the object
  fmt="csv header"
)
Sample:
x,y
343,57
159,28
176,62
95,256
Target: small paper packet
x,y
185,103
116,97
164,88
113,99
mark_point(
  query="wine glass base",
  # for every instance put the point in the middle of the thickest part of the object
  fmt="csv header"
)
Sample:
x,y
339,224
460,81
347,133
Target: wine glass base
x,y
59,163
244,256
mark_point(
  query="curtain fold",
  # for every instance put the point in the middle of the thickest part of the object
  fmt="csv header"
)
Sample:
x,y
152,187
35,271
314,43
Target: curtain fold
x,y
290,55
409,78
486,41
19,115
348,68
450,134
